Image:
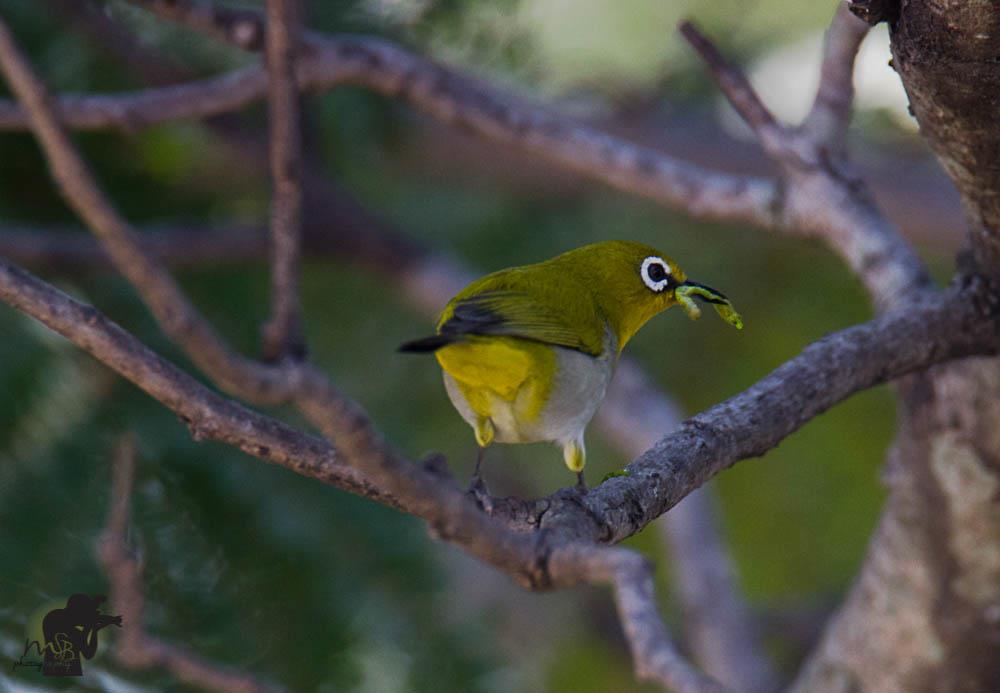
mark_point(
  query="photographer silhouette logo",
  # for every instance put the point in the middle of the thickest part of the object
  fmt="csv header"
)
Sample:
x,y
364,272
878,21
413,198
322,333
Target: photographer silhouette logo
x,y
70,634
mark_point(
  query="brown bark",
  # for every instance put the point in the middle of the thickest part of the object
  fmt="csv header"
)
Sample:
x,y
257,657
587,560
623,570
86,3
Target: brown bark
x,y
924,614
946,54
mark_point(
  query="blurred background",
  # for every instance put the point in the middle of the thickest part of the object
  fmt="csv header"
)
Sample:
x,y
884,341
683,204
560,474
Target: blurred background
x,y
252,566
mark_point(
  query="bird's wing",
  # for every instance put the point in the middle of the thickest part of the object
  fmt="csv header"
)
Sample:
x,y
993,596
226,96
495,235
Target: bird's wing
x,y
517,313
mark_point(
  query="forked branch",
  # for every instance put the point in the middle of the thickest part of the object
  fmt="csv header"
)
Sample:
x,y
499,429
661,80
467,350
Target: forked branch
x,y
135,647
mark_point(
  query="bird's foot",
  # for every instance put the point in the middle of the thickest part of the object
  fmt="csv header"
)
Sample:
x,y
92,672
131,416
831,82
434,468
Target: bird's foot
x,y
581,484
480,494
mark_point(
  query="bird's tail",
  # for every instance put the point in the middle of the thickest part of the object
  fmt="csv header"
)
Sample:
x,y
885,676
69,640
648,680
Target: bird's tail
x,y
427,344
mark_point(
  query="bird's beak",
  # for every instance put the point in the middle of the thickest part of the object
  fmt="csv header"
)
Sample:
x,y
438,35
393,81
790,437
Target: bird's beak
x,y
688,291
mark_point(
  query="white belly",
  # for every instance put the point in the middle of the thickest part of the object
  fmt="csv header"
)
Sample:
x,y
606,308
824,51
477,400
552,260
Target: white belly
x,y
578,387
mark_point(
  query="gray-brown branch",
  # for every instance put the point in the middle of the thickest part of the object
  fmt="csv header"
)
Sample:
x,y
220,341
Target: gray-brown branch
x,y
282,334
135,647
816,197
961,321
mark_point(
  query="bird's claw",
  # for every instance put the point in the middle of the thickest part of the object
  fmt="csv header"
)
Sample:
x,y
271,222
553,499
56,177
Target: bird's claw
x,y
480,494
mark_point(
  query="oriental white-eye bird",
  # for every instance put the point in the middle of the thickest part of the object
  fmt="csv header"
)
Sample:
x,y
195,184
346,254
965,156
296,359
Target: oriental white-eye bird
x,y
528,352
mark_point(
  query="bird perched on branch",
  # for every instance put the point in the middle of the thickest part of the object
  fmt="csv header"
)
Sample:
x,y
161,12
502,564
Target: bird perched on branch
x,y
528,352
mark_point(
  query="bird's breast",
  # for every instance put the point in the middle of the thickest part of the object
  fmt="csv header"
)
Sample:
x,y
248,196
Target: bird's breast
x,y
530,391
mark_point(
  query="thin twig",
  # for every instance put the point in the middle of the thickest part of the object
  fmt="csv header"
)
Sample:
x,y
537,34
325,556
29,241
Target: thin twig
x,y
424,493
388,69
655,656
136,648
380,468
282,334
718,624
732,83
176,315
823,197
831,110
814,198
720,627
143,108
55,249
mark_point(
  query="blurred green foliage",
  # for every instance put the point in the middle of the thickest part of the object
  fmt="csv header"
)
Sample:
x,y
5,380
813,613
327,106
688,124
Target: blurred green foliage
x,y
255,567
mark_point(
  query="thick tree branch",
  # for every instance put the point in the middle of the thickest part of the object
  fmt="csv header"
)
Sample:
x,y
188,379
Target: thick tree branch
x,y
423,492
135,648
426,493
919,617
959,322
282,335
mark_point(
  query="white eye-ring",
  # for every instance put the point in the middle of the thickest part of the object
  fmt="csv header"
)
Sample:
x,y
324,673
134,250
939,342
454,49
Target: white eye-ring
x,y
655,273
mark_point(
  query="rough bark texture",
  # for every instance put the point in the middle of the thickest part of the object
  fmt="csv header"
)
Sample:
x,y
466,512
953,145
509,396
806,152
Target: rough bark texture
x,y
946,54
924,614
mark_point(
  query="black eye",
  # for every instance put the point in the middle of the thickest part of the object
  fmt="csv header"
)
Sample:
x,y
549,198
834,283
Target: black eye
x,y
655,274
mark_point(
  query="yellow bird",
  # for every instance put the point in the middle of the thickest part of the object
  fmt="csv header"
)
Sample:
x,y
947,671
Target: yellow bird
x,y
528,352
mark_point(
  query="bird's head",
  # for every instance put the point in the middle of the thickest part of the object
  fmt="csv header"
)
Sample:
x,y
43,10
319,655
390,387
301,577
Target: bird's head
x,y
632,282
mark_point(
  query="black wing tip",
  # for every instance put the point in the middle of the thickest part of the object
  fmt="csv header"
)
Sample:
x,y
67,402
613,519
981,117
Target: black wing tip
x,y
425,345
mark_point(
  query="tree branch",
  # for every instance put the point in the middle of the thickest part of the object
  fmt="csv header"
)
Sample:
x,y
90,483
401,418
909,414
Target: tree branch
x,y
927,329
823,197
719,625
736,88
133,111
136,648
57,249
207,415
831,110
655,656
385,68
175,314
282,334
959,322
815,197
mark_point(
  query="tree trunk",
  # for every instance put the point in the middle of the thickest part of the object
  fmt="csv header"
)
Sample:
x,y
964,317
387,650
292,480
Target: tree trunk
x,y
924,614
